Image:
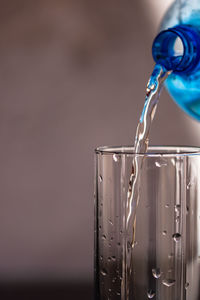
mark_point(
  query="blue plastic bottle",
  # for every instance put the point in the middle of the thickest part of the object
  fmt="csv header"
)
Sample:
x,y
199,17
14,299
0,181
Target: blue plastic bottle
x,y
177,47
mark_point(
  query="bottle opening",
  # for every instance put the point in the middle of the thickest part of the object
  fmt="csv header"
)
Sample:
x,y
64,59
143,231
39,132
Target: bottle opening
x,y
168,50
178,49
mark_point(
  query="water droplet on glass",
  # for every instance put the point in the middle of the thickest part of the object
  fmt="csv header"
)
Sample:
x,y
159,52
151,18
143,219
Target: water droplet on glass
x,y
104,272
129,245
113,258
115,157
188,185
109,258
170,271
101,257
177,207
109,290
164,232
121,231
168,282
177,219
118,244
150,294
111,238
100,178
171,255
157,164
118,293
114,279
111,223
100,227
156,273
103,237
167,205
176,237
186,285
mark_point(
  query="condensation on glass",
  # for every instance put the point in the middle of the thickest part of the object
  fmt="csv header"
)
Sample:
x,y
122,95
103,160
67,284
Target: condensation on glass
x,y
165,261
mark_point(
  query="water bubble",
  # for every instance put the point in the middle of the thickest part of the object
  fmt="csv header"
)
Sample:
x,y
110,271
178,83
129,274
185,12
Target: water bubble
x,y
100,178
167,205
168,282
103,237
104,272
115,157
156,273
164,232
186,285
150,294
176,237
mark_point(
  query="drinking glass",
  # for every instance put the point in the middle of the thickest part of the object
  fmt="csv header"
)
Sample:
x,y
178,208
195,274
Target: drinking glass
x,y
165,255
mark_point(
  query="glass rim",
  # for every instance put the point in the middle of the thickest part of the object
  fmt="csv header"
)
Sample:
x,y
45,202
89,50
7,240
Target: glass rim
x,y
153,151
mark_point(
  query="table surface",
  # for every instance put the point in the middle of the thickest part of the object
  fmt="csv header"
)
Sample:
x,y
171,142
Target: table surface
x,y
50,291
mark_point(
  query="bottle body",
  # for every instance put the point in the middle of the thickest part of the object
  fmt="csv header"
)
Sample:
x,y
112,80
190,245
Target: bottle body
x,y
184,87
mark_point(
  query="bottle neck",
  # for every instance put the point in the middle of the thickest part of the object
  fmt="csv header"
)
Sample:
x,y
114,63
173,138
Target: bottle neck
x,y
178,49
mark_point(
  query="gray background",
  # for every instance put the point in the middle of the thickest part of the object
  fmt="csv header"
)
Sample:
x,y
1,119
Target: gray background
x,y
72,77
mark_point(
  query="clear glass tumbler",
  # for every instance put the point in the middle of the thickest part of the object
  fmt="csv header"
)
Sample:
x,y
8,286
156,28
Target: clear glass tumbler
x,y
165,256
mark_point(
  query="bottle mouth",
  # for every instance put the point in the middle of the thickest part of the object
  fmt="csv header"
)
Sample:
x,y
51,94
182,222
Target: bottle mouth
x,y
177,49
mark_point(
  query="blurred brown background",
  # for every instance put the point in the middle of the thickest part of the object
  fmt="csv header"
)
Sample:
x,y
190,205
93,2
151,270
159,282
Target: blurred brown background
x,y
72,76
